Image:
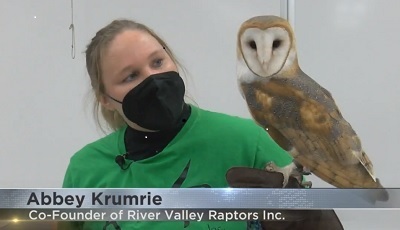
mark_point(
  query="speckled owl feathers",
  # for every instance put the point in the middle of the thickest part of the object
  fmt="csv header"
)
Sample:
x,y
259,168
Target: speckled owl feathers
x,y
299,114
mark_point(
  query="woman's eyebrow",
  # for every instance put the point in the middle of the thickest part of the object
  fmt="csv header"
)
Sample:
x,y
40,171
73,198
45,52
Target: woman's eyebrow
x,y
128,67
155,53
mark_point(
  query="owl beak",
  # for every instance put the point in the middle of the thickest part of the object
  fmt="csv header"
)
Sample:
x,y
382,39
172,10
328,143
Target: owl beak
x,y
265,65
264,58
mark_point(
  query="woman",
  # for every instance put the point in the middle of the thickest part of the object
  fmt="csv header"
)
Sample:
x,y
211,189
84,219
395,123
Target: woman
x,y
158,140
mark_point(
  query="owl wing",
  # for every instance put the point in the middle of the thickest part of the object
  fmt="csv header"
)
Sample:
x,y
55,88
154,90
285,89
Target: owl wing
x,y
304,119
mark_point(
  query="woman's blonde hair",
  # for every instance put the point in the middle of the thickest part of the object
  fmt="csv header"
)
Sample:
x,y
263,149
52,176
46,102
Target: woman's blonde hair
x,y
94,54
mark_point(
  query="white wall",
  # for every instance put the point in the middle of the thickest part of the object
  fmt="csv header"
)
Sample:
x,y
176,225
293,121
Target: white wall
x,y
350,47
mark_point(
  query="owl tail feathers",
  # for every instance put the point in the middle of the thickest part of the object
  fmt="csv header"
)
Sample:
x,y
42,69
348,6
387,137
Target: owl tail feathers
x,y
376,194
381,193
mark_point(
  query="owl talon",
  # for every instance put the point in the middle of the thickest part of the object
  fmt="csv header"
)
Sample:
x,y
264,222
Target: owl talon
x,y
305,171
298,176
302,169
286,171
307,184
271,167
293,170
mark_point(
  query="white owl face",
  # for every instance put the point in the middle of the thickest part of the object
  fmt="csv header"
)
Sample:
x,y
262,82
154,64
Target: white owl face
x,y
265,51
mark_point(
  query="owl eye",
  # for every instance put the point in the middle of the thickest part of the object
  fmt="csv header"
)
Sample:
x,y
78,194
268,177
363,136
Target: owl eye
x,y
276,44
252,44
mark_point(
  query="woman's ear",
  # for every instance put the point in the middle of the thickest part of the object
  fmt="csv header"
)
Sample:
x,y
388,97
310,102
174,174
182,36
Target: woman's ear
x,y
105,102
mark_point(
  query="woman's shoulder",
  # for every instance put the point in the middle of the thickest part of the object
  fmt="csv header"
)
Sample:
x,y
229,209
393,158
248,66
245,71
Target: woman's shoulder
x,y
91,160
224,120
107,146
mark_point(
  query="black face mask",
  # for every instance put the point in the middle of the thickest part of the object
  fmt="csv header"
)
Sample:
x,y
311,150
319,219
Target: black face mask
x,y
157,102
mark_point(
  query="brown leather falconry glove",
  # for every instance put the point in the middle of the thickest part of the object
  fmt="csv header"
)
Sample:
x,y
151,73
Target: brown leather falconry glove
x,y
242,177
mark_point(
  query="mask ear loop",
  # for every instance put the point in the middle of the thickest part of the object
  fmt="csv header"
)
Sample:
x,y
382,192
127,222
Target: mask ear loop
x,y
113,99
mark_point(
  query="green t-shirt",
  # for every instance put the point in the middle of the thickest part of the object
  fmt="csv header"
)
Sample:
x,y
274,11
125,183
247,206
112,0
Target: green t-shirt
x,y
212,143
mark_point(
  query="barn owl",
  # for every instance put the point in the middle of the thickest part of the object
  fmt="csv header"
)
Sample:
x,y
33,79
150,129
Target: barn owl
x,y
299,114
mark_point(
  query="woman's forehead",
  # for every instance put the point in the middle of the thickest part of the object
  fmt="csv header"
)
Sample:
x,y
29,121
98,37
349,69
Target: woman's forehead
x,y
134,41
128,48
